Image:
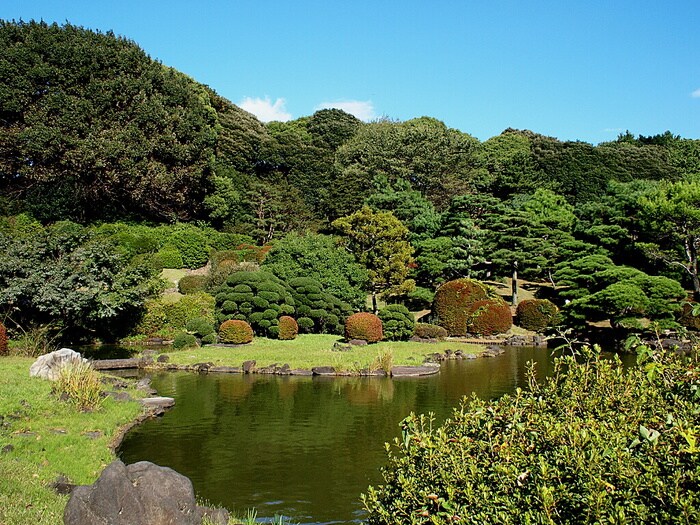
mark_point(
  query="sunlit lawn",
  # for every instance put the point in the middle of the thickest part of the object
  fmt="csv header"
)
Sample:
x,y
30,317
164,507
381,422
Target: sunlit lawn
x,y
307,351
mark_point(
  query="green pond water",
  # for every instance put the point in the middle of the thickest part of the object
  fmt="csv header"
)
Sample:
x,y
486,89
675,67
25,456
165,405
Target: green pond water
x,y
301,447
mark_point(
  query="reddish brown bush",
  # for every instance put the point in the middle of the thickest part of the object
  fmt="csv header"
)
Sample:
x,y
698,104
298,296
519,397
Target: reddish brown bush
x,y
430,331
489,316
452,300
288,328
536,314
3,340
364,325
235,331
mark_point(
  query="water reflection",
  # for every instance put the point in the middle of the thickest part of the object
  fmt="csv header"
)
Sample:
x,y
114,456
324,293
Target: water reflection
x,y
298,446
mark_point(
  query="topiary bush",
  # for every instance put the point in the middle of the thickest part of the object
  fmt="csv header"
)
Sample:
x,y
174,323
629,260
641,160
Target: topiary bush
x,y
452,301
235,331
536,314
326,312
364,325
288,328
200,326
3,340
595,443
184,340
259,298
430,331
489,317
192,284
210,339
167,257
398,323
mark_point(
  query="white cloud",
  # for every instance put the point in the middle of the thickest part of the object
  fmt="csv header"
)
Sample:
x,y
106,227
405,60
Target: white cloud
x,y
362,109
695,94
265,109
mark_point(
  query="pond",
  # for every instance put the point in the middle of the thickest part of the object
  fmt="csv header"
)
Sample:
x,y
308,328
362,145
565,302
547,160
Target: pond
x,y
302,447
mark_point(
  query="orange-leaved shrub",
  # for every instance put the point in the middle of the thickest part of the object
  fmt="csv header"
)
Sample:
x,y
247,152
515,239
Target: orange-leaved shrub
x,y
489,316
364,325
288,328
453,299
536,314
3,340
235,331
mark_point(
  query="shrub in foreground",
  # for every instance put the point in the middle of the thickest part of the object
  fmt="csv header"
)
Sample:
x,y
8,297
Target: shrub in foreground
x,y
536,314
452,300
489,317
3,340
364,325
430,331
595,443
288,328
235,331
397,322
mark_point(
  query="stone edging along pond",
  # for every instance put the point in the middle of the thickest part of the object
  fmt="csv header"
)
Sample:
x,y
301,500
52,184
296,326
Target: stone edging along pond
x,y
429,367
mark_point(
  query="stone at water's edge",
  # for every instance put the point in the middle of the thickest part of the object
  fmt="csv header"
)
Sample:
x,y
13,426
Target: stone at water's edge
x,y
49,366
138,494
414,371
158,402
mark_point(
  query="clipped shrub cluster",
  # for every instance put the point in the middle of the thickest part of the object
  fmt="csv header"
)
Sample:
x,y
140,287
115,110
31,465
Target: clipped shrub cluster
x,y
167,257
430,331
184,340
452,301
364,325
489,317
595,443
190,284
165,317
397,322
288,328
259,298
536,314
235,331
3,340
317,310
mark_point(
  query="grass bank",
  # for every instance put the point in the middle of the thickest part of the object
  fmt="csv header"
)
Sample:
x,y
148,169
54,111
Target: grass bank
x,y
42,438
308,351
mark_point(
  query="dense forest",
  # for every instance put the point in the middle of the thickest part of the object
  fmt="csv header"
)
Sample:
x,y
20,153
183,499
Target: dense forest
x,y
113,166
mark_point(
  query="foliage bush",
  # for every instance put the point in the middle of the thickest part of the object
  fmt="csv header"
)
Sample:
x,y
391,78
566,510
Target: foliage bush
x,y
3,340
430,331
210,339
165,317
489,317
595,443
192,284
167,257
397,322
79,384
200,326
192,245
184,340
451,303
259,298
364,325
288,328
536,314
235,331
326,312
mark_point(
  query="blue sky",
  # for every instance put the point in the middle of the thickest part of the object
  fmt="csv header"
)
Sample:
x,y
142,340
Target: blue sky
x,y
573,70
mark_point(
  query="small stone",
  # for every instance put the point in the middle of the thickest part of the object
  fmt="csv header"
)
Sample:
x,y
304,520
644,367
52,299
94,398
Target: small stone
x,y
163,358
158,402
62,485
357,342
7,449
248,367
93,434
323,371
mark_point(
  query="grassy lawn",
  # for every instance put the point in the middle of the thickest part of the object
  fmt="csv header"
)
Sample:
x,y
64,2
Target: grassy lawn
x,y
307,351
49,437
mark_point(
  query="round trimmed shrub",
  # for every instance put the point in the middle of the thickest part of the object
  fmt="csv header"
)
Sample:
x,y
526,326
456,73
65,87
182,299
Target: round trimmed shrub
x,y
184,340
536,314
3,340
306,324
235,331
192,284
167,257
364,325
200,326
397,322
488,317
452,301
210,339
288,328
430,331
325,310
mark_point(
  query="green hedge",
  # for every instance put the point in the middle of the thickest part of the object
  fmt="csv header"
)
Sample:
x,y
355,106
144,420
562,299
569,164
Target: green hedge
x,y
595,443
398,323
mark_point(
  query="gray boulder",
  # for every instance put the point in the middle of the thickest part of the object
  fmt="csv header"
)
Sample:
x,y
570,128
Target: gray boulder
x,y
138,494
49,366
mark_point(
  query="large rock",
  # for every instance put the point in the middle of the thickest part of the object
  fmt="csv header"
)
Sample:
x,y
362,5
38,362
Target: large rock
x,y
138,494
49,366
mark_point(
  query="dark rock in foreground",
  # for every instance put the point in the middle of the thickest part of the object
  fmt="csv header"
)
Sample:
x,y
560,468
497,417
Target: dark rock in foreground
x,y
138,494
